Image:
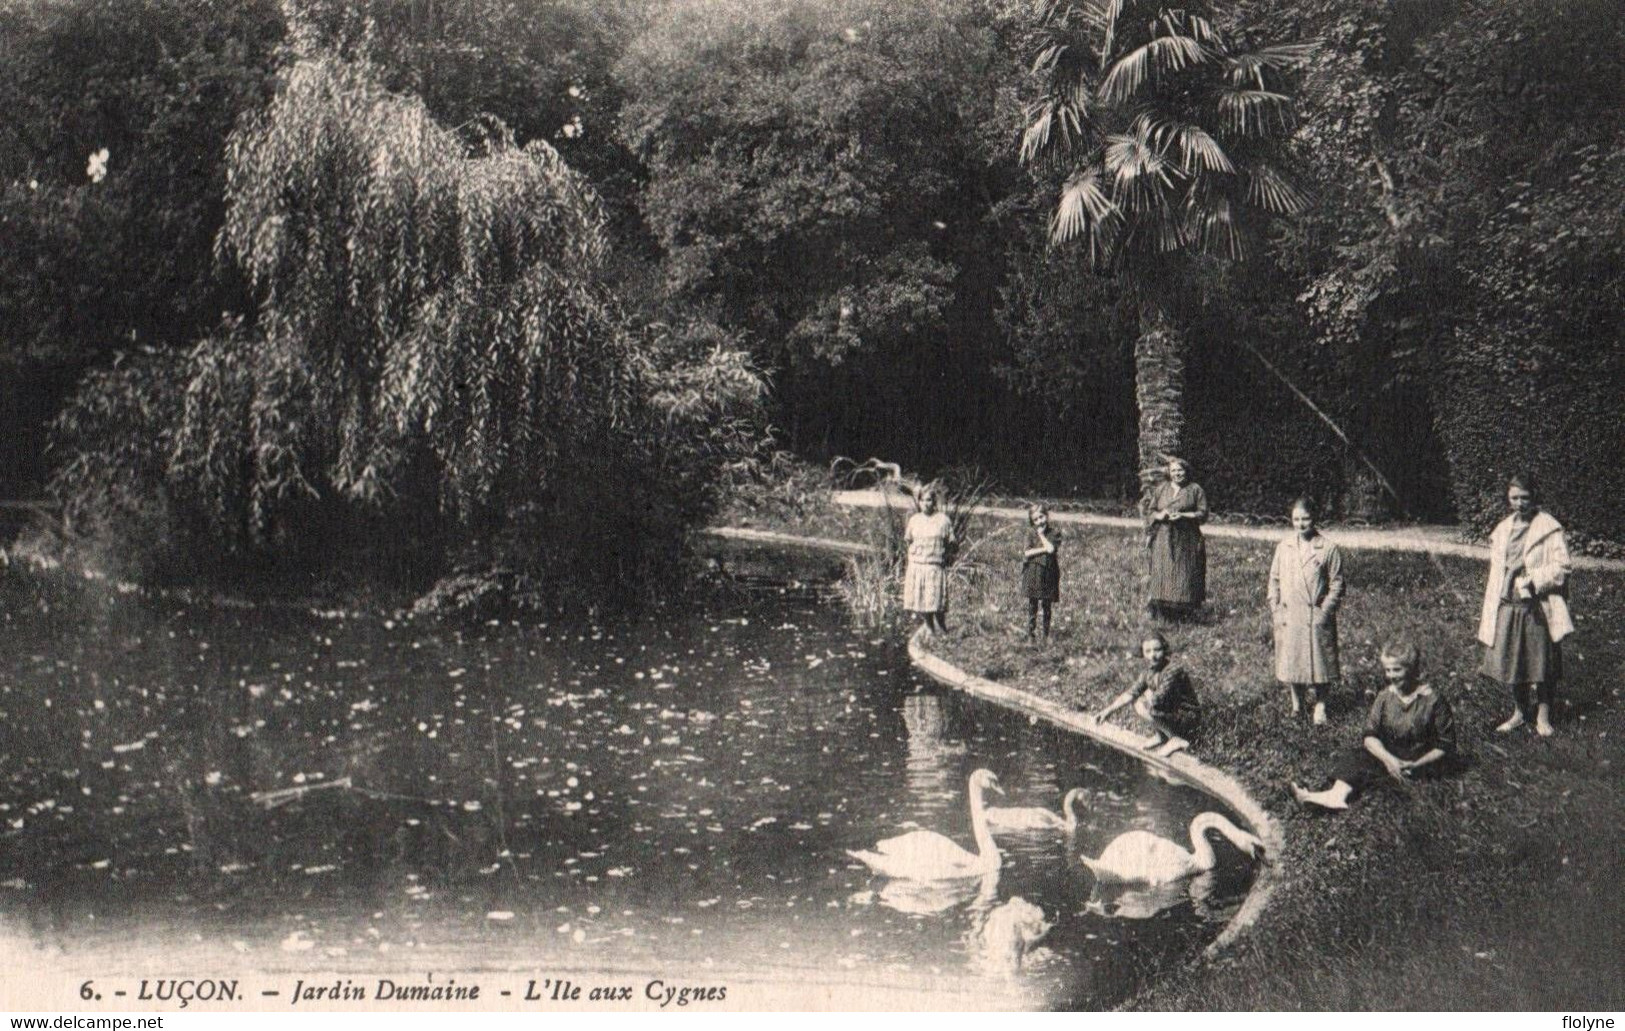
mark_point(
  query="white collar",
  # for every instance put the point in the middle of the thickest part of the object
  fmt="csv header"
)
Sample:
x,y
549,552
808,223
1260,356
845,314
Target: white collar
x,y
1422,690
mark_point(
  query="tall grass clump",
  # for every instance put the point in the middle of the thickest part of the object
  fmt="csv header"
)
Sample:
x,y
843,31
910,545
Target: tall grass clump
x,y
871,587
436,375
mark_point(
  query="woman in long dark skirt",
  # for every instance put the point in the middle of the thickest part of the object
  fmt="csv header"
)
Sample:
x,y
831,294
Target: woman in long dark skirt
x,y
1174,514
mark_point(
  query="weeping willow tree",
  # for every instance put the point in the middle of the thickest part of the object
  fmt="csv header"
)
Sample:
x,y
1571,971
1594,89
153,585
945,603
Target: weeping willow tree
x,y
433,333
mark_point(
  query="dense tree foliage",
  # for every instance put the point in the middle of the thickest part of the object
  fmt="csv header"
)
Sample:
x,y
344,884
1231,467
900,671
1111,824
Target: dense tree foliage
x,y
835,186
1458,267
89,266
434,342
814,186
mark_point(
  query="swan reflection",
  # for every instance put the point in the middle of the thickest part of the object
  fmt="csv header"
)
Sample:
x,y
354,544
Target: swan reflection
x,y
1142,902
927,898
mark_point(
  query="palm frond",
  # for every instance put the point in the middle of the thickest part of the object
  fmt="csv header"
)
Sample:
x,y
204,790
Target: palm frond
x,y
1268,189
1176,23
1251,112
1056,127
1197,149
1106,13
1160,56
1142,176
1035,141
1248,68
1172,232
1049,55
1217,229
1085,209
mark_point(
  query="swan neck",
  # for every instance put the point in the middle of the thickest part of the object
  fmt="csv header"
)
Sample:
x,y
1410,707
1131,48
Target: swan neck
x,y
1201,849
978,825
1069,810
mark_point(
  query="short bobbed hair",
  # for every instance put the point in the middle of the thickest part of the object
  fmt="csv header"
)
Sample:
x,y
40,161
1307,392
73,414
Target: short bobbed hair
x,y
1403,650
1524,480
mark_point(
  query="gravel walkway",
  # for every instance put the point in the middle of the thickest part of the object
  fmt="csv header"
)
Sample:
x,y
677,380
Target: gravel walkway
x,y
1431,540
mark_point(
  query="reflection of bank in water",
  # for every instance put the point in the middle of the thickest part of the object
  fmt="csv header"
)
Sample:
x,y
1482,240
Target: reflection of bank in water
x,y
934,751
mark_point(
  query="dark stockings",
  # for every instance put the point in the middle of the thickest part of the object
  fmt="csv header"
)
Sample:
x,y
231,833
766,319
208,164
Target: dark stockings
x,y
1034,605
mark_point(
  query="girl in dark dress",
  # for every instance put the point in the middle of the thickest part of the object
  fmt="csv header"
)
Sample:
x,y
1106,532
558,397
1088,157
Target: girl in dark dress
x,y
1174,514
1409,730
1163,697
1040,569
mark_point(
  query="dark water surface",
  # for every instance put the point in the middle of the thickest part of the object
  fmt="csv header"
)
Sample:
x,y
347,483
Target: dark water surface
x,y
672,798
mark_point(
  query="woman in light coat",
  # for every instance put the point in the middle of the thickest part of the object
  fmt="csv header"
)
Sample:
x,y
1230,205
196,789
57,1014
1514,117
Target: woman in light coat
x,y
1526,613
1306,588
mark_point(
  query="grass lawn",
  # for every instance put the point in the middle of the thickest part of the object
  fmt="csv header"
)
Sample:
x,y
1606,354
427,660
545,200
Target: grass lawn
x,y
1496,888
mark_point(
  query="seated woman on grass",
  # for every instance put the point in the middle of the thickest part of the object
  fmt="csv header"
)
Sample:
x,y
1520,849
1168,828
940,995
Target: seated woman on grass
x,y
1408,732
1163,697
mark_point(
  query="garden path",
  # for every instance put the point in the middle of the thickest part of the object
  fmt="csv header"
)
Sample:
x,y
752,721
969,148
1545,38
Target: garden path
x,y
1431,540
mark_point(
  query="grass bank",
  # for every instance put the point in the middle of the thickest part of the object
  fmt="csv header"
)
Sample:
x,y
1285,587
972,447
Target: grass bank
x,y
1495,889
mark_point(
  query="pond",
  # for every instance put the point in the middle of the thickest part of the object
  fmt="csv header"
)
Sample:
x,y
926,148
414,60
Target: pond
x,y
284,790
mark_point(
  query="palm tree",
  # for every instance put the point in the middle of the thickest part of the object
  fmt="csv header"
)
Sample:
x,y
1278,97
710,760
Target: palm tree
x,y
1166,143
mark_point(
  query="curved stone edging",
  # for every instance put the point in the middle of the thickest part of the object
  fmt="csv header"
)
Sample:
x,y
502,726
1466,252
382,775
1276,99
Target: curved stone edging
x,y
1183,766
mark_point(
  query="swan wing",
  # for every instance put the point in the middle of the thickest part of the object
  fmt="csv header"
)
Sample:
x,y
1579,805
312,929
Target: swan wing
x,y
1140,857
1023,819
920,855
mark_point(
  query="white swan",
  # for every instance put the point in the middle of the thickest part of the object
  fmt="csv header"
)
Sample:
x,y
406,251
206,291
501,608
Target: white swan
x,y
1140,857
1030,818
929,856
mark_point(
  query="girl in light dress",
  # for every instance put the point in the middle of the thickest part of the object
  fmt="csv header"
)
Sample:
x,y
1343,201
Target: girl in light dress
x,y
929,534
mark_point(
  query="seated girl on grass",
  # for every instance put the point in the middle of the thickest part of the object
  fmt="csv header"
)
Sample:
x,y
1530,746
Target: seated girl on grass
x,y
1163,697
1409,730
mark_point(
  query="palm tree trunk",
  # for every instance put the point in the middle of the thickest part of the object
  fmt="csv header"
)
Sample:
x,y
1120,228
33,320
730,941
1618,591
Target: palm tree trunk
x,y
1159,389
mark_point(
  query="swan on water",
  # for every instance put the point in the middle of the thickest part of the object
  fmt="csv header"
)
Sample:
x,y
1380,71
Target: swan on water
x,y
1140,857
1030,818
929,856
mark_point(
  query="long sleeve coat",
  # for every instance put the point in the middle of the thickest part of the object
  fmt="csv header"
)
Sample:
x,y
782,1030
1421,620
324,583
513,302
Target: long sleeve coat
x,y
1545,563
1306,588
